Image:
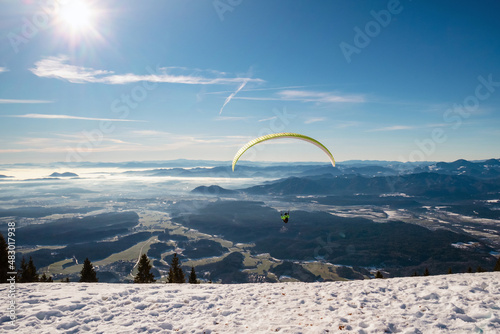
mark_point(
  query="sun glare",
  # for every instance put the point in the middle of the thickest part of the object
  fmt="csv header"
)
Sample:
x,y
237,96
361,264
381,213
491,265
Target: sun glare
x,y
77,15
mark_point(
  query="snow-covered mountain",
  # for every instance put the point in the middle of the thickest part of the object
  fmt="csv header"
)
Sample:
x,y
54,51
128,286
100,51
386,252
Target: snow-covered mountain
x,y
460,303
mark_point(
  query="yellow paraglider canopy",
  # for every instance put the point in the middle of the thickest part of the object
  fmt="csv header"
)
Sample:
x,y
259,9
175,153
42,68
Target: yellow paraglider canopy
x,y
282,135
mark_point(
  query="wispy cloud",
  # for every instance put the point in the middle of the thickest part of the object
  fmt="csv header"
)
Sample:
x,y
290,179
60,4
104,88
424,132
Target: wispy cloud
x,y
256,89
23,101
232,118
46,116
346,124
3,69
314,120
151,138
407,127
393,128
58,68
309,96
267,119
61,140
232,95
312,96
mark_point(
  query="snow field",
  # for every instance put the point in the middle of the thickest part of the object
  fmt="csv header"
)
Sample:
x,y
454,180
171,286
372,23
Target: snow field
x,y
461,303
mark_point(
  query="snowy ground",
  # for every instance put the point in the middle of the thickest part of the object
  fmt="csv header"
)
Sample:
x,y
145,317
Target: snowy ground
x,y
462,303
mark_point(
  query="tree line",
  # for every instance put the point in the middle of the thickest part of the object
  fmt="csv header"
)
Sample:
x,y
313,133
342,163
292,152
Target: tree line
x,y
28,272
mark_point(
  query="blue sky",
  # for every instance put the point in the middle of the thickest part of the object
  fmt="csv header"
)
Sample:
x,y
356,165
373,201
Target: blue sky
x,y
154,80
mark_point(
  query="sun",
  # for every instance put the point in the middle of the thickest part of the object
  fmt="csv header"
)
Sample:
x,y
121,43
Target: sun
x,y
77,15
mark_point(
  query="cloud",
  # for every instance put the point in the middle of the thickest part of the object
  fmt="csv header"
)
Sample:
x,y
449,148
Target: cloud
x,y
3,69
267,119
58,68
151,139
24,101
312,96
309,96
346,124
45,116
232,95
393,128
254,89
233,118
314,120
62,140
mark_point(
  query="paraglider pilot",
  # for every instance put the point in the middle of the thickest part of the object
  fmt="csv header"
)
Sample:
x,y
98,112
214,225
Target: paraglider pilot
x,y
285,216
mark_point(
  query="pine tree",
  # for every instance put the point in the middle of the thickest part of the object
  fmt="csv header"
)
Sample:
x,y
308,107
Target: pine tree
x,y
469,270
33,276
450,271
170,277
497,266
23,269
480,270
175,274
180,276
44,278
415,274
4,262
426,272
379,274
144,274
192,277
28,271
88,273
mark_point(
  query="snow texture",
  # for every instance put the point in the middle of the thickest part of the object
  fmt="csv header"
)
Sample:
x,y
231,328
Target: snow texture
x,y
461,303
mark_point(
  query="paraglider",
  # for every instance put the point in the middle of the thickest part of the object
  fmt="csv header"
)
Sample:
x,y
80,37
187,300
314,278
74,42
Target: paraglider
x,y
285,215
282,135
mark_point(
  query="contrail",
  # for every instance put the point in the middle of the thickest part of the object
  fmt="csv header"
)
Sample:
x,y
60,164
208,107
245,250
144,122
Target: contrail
x,y
232,95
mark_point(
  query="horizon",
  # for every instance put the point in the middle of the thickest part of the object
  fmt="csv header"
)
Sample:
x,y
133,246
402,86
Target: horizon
x,y
61,164
123,81
242,161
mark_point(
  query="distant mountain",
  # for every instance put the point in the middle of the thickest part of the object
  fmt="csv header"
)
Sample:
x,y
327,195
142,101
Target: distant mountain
x,y
4,177
481,169
370,170
213,191
421,184
272,171
492,162
66,174
243,171
289,169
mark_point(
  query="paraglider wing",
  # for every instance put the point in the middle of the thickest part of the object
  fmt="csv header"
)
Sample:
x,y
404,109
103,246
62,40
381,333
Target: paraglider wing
x,y
282,135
